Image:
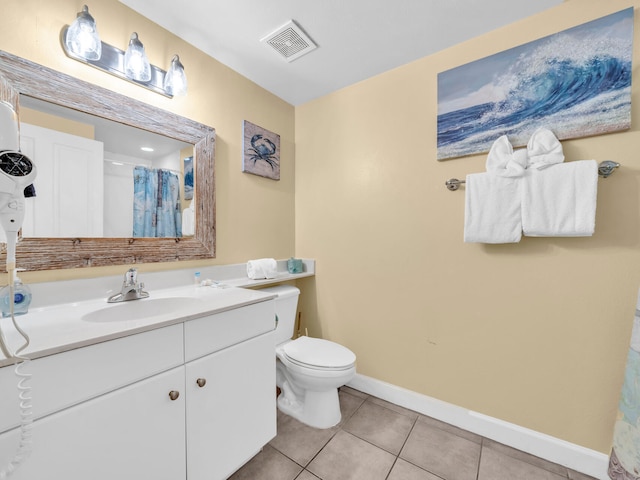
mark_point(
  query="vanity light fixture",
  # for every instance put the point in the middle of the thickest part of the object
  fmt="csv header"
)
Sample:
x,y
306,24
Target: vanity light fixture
x,y
81,42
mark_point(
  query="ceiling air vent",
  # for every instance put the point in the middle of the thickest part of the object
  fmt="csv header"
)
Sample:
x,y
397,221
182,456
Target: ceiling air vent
x,y
290,41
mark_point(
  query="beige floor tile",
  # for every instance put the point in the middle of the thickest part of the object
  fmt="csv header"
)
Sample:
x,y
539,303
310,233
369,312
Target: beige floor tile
x,y
451,429
305,475
394,407
524,457
354,392
441,452
495,465
298,441
349,404
573,475
269,464
379,425
347,457
406,471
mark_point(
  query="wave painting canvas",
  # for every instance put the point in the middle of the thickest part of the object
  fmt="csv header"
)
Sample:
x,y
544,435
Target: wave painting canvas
x,y
577,83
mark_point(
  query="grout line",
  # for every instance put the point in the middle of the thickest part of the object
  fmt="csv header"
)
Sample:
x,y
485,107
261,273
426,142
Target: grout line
x,y
482,440
391,469
415,421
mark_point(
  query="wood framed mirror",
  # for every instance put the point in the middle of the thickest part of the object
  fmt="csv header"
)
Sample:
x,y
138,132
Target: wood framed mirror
x,y
23,77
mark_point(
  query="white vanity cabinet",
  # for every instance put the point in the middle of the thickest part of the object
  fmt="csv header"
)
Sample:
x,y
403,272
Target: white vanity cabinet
x,y
231,398
190,401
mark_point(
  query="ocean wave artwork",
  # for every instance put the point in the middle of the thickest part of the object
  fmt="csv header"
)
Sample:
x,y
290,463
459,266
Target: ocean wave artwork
x,y
576,83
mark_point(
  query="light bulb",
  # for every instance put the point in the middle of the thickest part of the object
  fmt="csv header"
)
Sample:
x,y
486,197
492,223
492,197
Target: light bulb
x,y
82,37
175,80
136,63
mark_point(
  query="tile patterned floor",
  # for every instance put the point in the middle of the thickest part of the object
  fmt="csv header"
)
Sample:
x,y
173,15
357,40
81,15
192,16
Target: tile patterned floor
x,y
377,440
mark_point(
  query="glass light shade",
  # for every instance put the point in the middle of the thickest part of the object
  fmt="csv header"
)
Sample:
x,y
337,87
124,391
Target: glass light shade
x,y
175,80
136,63
82,37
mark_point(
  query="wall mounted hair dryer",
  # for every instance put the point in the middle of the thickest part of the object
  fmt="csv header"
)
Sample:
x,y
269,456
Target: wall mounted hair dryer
x,y
17,172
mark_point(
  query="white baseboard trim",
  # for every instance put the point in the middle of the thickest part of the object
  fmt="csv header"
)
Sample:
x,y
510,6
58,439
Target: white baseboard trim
x,y
570,455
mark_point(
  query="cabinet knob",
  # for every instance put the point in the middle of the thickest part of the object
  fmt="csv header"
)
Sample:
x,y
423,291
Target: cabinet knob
x,y
174,394
201,382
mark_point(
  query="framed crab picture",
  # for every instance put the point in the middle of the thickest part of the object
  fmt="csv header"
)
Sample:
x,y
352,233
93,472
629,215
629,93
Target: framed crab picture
x,y
261,151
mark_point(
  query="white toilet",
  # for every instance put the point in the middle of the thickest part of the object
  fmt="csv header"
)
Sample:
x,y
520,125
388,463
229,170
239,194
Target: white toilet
x,y
309,370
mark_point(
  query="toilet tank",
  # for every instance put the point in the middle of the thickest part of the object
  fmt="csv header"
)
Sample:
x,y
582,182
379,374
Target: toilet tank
x,y
286,309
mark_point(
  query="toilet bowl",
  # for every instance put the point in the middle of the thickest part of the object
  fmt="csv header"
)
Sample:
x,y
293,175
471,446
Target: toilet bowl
x,y
309,371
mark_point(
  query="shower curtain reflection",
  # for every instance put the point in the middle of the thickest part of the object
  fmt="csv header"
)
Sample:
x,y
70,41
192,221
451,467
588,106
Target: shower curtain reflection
x,y
156,203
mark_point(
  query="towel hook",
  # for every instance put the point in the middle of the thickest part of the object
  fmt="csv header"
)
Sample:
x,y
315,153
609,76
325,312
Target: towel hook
x,y
605,168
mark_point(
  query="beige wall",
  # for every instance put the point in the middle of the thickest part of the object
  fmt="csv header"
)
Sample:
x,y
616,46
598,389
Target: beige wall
x,y
255,216
533,333
46,120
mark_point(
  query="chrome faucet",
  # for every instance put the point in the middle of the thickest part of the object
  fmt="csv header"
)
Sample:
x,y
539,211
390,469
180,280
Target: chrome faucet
x,y
131,289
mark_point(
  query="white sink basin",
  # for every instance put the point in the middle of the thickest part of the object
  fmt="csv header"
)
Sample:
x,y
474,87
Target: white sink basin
x,y
140,309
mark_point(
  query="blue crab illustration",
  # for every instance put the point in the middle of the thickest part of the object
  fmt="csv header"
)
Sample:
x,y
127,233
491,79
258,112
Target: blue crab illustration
x,y
263,149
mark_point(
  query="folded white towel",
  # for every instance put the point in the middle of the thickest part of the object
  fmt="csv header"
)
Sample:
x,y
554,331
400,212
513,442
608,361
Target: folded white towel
x,y
560,201
492,209
544,149
262,268
503,161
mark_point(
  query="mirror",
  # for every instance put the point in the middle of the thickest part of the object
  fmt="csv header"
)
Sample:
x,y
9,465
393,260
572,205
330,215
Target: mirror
x,y
98,159
22,78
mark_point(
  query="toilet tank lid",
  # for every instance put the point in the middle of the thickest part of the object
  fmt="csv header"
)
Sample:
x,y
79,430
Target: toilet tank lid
x,y
319,352
282,291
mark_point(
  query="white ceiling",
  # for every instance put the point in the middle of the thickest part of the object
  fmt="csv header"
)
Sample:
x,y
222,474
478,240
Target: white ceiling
x,y
356,39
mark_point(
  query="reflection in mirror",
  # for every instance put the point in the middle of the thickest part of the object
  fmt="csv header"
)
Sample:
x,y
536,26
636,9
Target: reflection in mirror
x,y
25,81
103,163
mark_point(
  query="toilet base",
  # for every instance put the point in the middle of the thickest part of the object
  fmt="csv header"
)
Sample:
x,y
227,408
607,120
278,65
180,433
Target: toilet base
x,y
318,410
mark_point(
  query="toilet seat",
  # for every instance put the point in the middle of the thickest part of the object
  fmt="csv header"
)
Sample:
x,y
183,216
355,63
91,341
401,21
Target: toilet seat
x,y
318,354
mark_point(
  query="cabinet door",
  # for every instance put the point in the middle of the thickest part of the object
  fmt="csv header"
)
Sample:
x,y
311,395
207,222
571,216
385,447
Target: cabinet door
x,y
233,415
133,433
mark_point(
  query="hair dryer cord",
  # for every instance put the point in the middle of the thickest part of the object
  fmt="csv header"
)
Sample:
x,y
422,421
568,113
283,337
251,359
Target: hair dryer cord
x,y
24,390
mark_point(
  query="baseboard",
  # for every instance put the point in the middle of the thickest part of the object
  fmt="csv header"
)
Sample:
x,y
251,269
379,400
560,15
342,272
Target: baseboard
x,y
555,450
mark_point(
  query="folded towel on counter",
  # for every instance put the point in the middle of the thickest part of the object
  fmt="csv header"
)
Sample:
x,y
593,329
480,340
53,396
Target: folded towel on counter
x,y
188,220
262,268
492,209
560,201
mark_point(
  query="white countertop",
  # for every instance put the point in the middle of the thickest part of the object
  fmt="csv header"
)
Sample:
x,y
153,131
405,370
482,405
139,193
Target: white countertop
x,y
55,320
59,328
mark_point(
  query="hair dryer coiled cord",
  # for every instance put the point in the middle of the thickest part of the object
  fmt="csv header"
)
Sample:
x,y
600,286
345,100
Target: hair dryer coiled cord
x,y
24,395
26,420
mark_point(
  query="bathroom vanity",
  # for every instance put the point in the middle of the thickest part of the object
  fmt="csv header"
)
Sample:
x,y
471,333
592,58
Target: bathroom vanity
x,y
180,395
